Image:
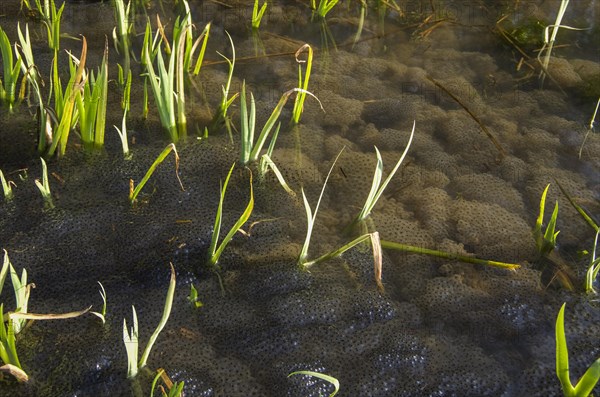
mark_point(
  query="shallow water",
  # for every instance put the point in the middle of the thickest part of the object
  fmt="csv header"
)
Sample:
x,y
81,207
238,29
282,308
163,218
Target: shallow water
x,y
441,328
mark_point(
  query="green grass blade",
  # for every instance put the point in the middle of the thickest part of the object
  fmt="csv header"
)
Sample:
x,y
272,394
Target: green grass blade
x,y
204,37
163,320
6,188
326,378
589,380
217,228
446,255
44,186
171,147
580,210
4,271
240,222
562,354
593,268
267,162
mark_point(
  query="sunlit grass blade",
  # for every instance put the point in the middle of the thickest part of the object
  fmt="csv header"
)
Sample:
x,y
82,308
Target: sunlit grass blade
x,y
130,338
590,378
265,161
6,189
258,13
163,319
123,136
446,255
44,186
8,348
593,268
327,378
221,114
302,82
545,240
579,209
590,127
8,86
68,100
133,193
310,216
214,251
102,314
203,38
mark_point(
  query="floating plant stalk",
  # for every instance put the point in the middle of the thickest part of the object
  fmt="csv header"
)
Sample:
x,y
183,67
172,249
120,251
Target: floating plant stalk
x,y
214,252
130,338
590,378
133,192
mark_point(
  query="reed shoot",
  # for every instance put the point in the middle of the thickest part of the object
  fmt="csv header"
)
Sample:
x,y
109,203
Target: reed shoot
x,y
44,186
8,86
257,14
302,82
6,187
590,378
377,187
130,338
214,252
133,192
545,241
226,101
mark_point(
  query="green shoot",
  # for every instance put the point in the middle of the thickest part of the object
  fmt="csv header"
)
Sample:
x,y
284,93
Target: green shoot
x,y
193,297
8,349
580,210
22,292
257,14
310,217
123,30
327,378
377,187
221,115
133,193
65,101
125,83
6,188
51,17
590,378
123,136
8,87
302,83
545,241
214,252
102,314
324,7
131,338
265,161
91,106
44,186
174,389
593,268
446,255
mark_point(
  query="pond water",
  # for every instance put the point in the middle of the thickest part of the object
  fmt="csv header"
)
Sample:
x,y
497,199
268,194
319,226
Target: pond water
x,y
488,138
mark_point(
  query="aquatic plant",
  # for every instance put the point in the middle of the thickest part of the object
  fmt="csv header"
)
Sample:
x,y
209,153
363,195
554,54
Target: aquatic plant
x,y
593,268
193,297
590,127
125,82
6,187
130,338
12,69
446,255
214,252
311,216
221,114
377,187
102,313
257,14
590,378
133,192
324,7
51,17
173,389
545,241
123,30
64,100
327,378
44,186
91,106
302,82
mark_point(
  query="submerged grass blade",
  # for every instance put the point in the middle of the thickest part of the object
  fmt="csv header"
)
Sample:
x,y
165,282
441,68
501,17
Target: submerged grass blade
x,y
446,255
327,378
